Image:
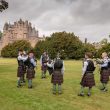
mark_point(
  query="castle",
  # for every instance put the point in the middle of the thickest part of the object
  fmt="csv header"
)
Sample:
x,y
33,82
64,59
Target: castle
x,y
20,30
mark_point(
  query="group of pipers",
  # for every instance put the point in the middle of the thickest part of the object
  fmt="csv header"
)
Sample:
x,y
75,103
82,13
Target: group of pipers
x,y
28,62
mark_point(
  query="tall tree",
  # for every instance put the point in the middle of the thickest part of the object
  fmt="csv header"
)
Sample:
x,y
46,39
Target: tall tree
x,y
67,44
104,41
3,5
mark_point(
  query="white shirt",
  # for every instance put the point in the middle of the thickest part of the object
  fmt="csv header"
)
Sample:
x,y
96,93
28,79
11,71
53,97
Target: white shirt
x,y
21,57
33,62
63,69
84,67
50,64
105,64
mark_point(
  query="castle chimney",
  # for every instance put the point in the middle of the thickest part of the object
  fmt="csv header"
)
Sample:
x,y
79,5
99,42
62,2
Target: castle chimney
x,y
85,40
6,26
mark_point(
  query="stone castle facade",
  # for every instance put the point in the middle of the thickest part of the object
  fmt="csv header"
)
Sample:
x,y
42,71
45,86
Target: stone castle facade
x,y
20,30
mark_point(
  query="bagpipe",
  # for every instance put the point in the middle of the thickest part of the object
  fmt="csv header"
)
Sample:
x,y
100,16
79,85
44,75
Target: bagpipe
x,y
99,61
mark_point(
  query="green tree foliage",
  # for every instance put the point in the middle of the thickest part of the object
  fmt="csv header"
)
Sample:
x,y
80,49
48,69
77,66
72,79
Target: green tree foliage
x,y
89,48
105,48
104,41
67,44
11,50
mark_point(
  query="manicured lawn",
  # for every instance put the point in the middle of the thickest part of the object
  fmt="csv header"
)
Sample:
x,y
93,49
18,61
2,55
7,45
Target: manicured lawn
x,y
41,97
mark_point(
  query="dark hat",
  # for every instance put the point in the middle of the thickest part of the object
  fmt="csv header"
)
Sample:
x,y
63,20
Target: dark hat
x,y
20,50
31,51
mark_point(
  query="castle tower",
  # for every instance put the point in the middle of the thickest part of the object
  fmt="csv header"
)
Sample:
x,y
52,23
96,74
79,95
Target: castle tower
x,y
20,30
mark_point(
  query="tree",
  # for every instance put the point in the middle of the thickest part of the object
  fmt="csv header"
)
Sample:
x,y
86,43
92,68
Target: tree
x,y
104,41
67,44
11,50
3,5
105,48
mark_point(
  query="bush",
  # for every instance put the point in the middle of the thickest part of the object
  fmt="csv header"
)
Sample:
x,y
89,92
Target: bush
x,y
67,44
11,50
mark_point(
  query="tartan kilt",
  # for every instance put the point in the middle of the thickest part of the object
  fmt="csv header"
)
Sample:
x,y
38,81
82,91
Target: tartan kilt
x,y
20,71
57,78
88,80
44,67
30,73
109,71
104,76
24,69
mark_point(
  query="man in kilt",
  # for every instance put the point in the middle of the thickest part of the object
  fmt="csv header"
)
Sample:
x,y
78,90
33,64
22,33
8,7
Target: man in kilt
x,y
43,60
30,68
25,66
104,74
87,75
20,71
57,75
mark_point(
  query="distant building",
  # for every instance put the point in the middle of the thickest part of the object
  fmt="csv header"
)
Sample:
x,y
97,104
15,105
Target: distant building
x,y
20,30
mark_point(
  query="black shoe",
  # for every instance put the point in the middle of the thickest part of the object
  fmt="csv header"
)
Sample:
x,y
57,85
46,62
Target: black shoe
x,y
102,88
89,94
59,92
81,94
18,86
30,87
54,92
42,77
24,81
105,90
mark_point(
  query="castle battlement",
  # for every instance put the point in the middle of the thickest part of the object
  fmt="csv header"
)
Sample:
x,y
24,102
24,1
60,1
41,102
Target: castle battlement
x,y
19,30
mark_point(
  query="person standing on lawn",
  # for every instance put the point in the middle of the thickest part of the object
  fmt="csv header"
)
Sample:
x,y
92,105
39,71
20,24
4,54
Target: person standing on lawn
x,y
30,69
20,71
87,74
104,73
57,75
43,60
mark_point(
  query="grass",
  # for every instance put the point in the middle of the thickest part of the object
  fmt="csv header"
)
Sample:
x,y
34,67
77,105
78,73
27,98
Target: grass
x,y
41,97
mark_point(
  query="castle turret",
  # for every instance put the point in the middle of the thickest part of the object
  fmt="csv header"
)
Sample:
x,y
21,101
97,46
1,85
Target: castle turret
x,y
20,21
20,30
6,26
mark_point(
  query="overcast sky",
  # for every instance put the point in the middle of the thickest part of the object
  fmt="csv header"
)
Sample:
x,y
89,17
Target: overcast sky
x,y
86,18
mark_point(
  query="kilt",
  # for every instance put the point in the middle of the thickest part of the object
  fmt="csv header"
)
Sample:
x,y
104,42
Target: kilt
x,y
104,76
44,67
88,80
30,73
20,71
24,69
109,71
57,78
